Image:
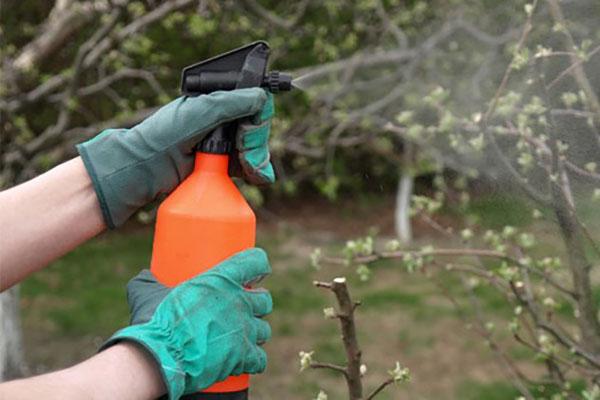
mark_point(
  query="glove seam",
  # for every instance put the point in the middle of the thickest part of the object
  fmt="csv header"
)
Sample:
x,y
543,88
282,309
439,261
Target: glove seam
x,y
83,153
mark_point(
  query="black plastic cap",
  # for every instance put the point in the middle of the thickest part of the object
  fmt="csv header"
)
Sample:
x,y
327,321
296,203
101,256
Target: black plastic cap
x,y
220,141
276,82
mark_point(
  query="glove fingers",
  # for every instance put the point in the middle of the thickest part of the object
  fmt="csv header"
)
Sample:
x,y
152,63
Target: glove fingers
x,y
253,146
260,173
261,300
263,331
246,266
268,109
256,361
251,136
230,104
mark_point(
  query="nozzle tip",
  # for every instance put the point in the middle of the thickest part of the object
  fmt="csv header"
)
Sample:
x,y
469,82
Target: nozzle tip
x,y
276,82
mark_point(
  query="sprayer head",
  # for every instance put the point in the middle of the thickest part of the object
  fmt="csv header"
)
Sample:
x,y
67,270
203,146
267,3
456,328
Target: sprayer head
x,y
244,67
208,81
240,68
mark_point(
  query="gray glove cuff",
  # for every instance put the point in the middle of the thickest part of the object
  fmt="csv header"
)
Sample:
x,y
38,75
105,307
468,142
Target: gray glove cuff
x,y
128,173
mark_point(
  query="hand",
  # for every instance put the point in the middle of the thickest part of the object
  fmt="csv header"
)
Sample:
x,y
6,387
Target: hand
x,y
205,329
253,145
131,167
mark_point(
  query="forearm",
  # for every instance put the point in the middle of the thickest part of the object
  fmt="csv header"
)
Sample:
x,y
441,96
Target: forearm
x,y
44,218
120,372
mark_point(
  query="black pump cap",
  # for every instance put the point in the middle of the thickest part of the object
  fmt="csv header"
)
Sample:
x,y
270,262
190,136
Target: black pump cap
x,y
218,142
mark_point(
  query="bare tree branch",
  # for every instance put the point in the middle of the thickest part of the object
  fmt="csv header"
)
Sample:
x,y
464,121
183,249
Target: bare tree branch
x,y
573,67
346,316
276,20
65,19
134,27
579,73
333,367
124,73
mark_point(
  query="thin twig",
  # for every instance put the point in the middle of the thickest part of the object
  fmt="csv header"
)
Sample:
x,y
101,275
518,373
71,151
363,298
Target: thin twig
x,y
334,367
379,388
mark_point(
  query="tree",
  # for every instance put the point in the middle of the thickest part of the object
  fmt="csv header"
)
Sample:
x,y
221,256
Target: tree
x,y
354,370
538,134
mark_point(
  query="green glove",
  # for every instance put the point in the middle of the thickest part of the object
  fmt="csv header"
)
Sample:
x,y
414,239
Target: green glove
x,y
131,167
253,145
206,328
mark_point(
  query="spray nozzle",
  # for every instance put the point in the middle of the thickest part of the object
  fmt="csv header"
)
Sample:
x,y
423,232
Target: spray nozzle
x,y
240,68
276,82
209,81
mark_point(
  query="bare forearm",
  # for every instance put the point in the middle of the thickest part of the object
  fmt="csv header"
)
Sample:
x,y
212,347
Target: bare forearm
x,y
121,372
44,218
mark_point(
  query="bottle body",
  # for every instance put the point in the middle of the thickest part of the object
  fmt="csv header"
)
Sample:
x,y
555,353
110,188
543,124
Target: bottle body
x,y
203,221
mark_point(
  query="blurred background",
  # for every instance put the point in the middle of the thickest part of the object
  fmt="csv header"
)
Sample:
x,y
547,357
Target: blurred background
x,y
416,126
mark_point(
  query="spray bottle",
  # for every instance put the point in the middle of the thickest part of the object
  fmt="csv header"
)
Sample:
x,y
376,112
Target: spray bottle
x,y
206,219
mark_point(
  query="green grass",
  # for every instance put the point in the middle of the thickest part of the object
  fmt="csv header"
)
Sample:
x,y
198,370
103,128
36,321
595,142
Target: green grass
x,y
84,292
390,297
490,391
293,292
496,211
470,390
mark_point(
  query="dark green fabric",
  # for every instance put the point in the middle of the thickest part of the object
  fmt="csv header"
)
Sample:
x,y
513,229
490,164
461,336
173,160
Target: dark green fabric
x,y
205,329
253,145
131,167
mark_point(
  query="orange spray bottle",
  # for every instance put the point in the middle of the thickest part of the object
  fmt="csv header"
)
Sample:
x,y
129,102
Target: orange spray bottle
x,y
206,219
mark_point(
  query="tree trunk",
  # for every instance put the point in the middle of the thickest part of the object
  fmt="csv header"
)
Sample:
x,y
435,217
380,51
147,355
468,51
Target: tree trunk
x,y
402,213
12,363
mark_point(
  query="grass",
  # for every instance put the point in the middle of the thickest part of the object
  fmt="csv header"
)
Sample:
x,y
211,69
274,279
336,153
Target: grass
x,y
83,293
293,293
389,298
470,390
494,212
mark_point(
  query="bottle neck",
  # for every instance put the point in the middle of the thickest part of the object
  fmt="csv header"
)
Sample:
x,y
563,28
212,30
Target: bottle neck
x,y
211,163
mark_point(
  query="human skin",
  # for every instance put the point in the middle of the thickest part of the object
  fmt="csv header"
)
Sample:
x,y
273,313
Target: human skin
x,y
123,371
43,219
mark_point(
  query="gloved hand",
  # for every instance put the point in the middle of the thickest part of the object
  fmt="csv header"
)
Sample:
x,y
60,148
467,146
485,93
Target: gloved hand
x,y
206,328
131,167
253,145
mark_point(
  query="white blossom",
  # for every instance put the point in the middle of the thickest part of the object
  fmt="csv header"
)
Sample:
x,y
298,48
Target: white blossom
x,y
466,234
329,313
363,369
305,359
399,373
321,396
